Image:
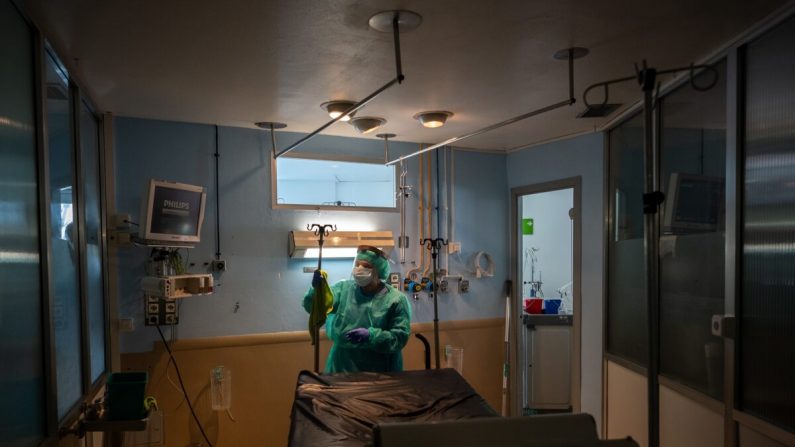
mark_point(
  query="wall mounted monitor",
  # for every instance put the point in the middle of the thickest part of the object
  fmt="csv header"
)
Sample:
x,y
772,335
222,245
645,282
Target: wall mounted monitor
x,y
173,213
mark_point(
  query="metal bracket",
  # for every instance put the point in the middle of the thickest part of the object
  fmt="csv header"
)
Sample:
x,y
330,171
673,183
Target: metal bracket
x,y
652,201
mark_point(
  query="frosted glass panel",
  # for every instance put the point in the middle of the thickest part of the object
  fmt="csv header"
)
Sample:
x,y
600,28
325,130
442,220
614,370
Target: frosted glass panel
x,y
21,376
692,245
767,323
334,183
66,312
89,147
626,305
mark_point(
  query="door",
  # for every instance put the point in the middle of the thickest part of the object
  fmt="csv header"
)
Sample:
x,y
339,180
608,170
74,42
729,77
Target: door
x,y
546,298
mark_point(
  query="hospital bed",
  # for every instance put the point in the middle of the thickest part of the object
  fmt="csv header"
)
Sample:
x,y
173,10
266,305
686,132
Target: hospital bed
x,y
420,409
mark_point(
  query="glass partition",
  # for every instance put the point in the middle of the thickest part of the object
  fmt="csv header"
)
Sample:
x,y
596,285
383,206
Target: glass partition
x,y
692,242
626,305
767,304
21,339
89,152
64,265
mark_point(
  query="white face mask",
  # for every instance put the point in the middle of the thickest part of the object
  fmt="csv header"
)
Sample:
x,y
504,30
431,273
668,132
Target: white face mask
x,y
363,276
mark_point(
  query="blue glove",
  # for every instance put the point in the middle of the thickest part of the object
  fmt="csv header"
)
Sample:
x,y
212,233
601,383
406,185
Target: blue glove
x,y
358,335
317,280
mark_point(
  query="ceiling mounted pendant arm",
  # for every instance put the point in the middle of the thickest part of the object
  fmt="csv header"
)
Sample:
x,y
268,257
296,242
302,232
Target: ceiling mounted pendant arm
x,y
569,54
355,108
692,68
273,141
398,20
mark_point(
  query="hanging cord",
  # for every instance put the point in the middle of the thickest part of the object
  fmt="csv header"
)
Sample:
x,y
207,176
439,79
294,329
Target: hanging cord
x,y
217,200
182,385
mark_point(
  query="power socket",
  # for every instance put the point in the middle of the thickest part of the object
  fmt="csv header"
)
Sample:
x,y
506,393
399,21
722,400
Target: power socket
x,y
219,265
454,247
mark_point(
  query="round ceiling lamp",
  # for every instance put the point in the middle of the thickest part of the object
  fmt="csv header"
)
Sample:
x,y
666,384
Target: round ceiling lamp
x,y
434,118
367,124
338,107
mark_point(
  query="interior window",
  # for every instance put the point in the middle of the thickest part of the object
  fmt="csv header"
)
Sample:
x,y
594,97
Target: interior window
x,y
342,184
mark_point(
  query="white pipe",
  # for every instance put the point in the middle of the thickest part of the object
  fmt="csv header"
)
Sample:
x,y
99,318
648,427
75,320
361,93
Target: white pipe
x,y
452,194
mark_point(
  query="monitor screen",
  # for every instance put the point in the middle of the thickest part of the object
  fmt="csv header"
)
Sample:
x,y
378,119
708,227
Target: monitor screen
x,y
174,211
694,203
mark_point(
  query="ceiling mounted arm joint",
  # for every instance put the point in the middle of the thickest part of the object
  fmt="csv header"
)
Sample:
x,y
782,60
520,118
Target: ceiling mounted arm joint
x,y
394,21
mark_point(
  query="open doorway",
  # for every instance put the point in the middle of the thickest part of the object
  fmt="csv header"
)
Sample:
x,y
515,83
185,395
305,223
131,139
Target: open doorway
x,y
546,297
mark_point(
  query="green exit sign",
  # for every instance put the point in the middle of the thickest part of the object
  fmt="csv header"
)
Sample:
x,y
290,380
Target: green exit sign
x,y
527,226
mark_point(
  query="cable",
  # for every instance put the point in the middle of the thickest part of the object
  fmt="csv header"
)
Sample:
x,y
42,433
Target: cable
x,y
182,385
217,200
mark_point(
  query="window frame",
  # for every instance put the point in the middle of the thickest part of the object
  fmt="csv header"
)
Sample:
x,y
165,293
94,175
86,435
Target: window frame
x,y
327,157
43,49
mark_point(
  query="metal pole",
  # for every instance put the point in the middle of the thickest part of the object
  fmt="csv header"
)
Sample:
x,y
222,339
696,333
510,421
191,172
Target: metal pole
x,y
358,106
396,38
273,142
652,198
435,308
515,119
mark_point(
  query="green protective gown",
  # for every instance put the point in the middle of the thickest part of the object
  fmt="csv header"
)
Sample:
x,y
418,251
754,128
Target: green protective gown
x,y
387,316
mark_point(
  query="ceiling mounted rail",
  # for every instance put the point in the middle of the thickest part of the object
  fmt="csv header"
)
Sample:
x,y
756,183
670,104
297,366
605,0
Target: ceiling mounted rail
x,y
566,54
385,21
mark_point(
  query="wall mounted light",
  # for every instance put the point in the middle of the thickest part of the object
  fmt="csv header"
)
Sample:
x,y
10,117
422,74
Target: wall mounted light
x,y
367,124
338,107
339,244
434,118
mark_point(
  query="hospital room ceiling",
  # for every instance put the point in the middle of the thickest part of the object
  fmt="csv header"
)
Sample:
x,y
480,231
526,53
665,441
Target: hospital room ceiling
x,y
238,62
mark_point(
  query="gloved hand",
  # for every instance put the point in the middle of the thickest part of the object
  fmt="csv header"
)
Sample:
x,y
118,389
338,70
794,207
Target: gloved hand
x,y
358,335
317,279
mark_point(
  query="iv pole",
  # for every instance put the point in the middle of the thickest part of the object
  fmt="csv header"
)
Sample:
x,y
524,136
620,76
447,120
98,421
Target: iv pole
x,y
434,245
322,231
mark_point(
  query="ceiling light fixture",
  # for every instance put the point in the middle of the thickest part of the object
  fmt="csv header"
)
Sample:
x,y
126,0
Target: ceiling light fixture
x,y
338,107
433,119
367,124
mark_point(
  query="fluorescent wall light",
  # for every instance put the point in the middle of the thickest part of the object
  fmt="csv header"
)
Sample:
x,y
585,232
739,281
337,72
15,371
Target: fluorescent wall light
x,y
338,244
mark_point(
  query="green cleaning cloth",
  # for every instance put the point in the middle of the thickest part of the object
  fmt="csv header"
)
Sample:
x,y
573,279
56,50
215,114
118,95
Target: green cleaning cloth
x,y
322,303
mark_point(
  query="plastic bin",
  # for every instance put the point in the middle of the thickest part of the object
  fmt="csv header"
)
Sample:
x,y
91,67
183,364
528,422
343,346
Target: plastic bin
x,y
552,306
533,305
124,398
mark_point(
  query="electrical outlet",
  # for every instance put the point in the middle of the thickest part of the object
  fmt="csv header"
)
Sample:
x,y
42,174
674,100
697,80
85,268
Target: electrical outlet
x,y
463,286
309,269
219,265
454,247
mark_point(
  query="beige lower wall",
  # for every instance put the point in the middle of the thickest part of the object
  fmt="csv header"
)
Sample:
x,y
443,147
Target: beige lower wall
x,y
626,404
264,370
683,421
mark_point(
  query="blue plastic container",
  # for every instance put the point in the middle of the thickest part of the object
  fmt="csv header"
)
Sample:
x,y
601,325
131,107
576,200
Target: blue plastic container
x,y
551,307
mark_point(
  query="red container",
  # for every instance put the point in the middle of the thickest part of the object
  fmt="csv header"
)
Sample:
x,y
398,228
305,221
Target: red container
x,y
533,305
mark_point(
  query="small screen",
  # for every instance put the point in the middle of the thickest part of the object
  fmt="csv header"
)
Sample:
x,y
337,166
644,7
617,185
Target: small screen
x,y
176,211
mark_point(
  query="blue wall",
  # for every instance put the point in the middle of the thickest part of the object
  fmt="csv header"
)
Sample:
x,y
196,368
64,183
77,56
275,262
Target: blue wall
x,y
265,282
581,156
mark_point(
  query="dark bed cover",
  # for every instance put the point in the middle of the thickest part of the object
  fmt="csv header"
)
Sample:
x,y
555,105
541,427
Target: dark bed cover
x,y
342,409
